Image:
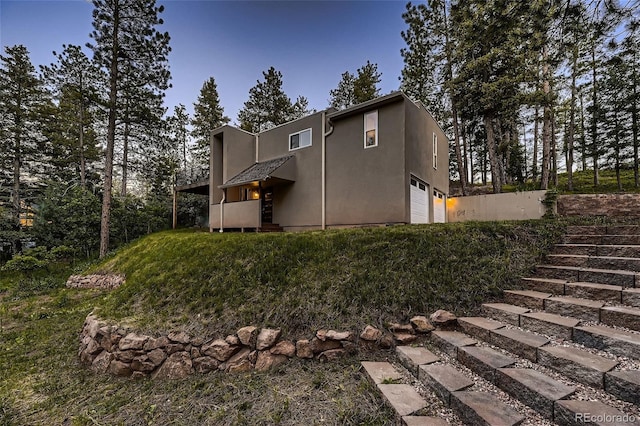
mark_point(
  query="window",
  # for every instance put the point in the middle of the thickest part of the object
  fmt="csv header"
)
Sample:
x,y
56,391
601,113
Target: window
x,y
371,129
299,140
435,151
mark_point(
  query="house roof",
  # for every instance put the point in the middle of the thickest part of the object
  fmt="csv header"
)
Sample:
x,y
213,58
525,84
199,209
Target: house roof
x,y
258,172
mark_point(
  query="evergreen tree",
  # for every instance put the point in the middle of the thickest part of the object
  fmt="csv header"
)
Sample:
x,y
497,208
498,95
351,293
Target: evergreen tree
x,y
21,101
268,104
75,83
126,42
208,114
355,89
343,96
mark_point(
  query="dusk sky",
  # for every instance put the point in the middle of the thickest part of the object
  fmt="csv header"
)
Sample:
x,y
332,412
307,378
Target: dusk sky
x,y
311,42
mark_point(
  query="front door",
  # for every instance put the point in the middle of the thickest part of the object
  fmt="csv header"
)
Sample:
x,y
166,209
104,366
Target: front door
x,y
267,205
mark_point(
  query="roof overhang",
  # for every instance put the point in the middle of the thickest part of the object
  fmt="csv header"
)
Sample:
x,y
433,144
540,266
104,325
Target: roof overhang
x,y
200,187
277,171
368,105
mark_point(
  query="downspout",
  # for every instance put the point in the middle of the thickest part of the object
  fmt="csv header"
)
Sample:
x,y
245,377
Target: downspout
x,y
257,148
325,134
224,197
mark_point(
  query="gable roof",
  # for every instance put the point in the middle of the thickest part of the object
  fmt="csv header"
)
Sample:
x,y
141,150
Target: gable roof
x,y
372,104
257,172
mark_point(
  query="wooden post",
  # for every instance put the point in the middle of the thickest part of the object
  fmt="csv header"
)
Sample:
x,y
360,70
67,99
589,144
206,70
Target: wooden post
x,y
175,208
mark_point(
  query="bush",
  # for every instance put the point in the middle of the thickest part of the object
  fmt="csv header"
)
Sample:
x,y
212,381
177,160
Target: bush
x,y
24,263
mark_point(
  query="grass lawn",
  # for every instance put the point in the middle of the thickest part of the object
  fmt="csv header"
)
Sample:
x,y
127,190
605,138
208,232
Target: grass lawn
x,y
212,284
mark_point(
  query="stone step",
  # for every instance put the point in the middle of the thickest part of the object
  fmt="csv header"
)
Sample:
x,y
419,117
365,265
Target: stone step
x,y
578,413
618,250
484,361
577,364
526,298
582,239
424,421
584,309
586,230
413,357
621,316
518,342
595,291
534,388
479,327
504,312
621,239
631,297
450,341
381,372
623,230
404,399
576,274
444,379
545,285
595,262
624,384
584,249
549,324
481,408
614,341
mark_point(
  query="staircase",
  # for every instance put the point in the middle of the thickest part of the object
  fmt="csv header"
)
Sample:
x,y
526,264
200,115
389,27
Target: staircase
x,y
564,349
270,227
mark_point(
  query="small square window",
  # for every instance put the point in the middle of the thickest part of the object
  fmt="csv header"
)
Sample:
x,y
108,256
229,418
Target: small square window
x,y
300,140
371,129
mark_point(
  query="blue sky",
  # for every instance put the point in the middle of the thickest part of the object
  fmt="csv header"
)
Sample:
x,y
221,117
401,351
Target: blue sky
x,y
311,42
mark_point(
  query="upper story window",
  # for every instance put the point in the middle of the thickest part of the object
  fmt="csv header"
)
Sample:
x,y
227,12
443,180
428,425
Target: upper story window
x,y
371,129
300,139
435,151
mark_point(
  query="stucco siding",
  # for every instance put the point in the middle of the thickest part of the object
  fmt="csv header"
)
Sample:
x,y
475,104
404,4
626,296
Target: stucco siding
x,y
367,185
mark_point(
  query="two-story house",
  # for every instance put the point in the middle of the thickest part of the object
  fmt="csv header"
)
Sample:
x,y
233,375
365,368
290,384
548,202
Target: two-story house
x,y
385,161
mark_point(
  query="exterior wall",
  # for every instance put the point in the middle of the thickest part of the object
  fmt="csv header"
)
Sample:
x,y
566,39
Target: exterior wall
x,y
366,185
242,214
232,151
298,204
419,130
612,205
507,206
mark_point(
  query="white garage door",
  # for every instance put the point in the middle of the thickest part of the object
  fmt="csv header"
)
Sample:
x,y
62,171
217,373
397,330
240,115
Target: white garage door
x,y
419,201
439,208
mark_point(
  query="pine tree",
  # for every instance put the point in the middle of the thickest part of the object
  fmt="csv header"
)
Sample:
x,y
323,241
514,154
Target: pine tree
x,y
343,96
208,114
21,101
268,104
354,89
75,83
126,42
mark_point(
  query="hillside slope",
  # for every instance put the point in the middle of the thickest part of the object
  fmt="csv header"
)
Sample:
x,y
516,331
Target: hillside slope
x,y
305,281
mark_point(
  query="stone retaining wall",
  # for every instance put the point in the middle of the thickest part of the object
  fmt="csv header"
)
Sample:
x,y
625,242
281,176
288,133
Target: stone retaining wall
x,y
121,352
102,281
611,205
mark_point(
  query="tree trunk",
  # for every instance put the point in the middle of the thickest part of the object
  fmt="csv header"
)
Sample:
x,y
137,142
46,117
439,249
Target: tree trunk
x,y
594,119
111,134
572,119
634,120
17,158
83,166
536,132
554,150
125,151
583,136
493,155
546,123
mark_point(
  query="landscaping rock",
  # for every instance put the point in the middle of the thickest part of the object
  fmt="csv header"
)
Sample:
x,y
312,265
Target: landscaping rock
x,y
318,345
240,360
442,318
248,336
370,334
142,364
219,349
177,366
157,356
232,339
404,338
285,347
401,328
421,324
267,338
332,355
267,360
160,342
339,335
119,368
101,363
303,349
132,341
179,337
205,364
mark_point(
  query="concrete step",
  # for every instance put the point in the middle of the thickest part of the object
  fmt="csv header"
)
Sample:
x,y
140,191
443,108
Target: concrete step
x,y
480,408
443,379
579,413
621,316
424,421
534,388
545,285
594,291
413,357
576,274
614,341
549,324
479,327
484,361
381,372
595,262
618,250
577,364
526,298
624,384
450,341
504,312
631,297
518,342
584,309
584,249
